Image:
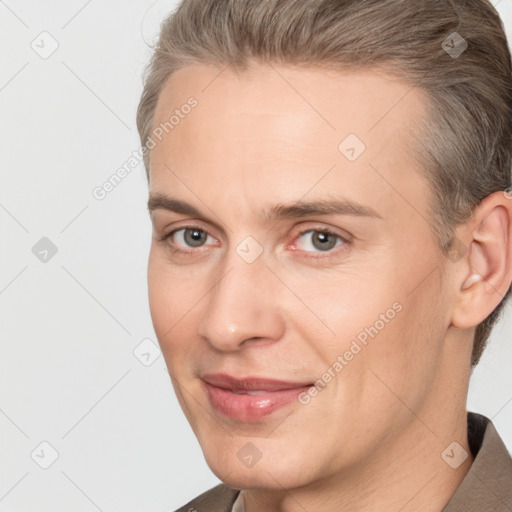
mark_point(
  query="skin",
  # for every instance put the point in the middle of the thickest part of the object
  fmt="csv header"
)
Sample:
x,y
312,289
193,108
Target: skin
x,y
372,438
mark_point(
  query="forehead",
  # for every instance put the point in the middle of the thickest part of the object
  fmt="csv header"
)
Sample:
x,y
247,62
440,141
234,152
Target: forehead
x,y
286,126
333,100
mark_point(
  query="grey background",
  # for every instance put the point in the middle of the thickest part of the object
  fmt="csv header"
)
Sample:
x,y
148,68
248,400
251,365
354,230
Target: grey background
x,y
68,372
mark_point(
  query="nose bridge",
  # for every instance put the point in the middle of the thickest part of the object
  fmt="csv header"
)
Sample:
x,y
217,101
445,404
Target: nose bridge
x,y
240,305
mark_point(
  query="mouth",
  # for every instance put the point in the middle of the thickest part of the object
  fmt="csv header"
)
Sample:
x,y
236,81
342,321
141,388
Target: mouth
x,y
250,399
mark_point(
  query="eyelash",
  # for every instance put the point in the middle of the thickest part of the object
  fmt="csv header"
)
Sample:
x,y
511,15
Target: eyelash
x,y
329,253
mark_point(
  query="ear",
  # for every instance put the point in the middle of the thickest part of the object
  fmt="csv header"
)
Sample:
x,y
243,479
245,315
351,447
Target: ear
x,y
484,271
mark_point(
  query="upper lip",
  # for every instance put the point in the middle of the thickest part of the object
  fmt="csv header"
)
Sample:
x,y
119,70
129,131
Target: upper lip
x,y
225,381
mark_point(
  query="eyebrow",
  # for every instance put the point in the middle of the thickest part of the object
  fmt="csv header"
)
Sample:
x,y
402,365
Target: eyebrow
x,y
277,212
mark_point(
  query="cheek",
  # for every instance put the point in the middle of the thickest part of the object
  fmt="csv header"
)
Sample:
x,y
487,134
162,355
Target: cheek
x,y
349,305
161,295
177,297
380,330
401,360
172,297
171,287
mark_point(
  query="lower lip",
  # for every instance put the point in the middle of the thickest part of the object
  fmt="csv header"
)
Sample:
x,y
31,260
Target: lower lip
x,y
250,408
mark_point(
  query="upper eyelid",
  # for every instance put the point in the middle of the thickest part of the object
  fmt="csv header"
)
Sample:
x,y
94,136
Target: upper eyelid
x,y
320,229
172,232
346,240
301,231
200,223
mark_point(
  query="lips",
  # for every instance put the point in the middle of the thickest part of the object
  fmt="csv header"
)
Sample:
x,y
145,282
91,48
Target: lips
x,y
222,380
250,399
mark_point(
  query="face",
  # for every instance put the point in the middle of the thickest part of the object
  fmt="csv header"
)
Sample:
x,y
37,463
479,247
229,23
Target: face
x,y
290,244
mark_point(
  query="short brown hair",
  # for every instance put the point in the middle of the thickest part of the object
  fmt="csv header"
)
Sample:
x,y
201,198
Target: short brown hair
x,y
465,144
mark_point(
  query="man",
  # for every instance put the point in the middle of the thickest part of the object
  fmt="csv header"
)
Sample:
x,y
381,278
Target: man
x,y
332,245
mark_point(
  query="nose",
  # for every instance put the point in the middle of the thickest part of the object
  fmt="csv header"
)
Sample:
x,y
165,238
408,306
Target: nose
x,y
242,307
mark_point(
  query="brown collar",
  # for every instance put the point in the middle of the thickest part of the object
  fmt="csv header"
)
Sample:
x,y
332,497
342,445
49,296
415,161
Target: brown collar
x,y
488,483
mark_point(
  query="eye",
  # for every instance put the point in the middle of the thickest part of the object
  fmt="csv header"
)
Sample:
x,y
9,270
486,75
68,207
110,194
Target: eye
x,y
319,240
188,237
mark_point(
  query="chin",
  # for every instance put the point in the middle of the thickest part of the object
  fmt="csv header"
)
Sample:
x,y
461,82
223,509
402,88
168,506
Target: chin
x,y
274,473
